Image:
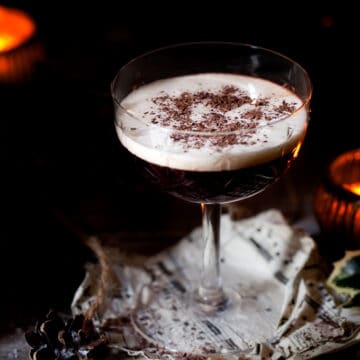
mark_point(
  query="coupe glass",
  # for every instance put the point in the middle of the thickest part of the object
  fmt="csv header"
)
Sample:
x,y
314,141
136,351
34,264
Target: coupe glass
x,y
207,302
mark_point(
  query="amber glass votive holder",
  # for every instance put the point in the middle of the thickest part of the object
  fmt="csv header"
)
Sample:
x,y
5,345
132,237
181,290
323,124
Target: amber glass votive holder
x,y
337,202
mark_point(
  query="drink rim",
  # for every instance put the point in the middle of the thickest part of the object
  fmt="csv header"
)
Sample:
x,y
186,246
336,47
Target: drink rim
x,y
304,104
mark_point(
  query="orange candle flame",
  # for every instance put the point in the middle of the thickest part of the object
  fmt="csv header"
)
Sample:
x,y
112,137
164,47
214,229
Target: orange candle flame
x,y
16,27
354,188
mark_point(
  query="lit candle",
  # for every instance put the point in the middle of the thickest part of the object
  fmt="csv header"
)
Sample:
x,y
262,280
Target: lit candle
x,y
337,200
17,54
16,27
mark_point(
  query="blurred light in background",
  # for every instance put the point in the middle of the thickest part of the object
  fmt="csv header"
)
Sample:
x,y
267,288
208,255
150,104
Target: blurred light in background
x,y
17,53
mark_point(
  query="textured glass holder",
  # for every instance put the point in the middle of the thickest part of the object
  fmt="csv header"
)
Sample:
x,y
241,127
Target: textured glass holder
x,y
337,201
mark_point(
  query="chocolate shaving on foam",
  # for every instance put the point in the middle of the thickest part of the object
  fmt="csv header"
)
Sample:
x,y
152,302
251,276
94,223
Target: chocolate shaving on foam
x,y
285,108
175,112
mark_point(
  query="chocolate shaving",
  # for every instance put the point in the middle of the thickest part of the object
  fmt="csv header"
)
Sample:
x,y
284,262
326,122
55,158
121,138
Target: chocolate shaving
x,y
255,114
285,108
175,112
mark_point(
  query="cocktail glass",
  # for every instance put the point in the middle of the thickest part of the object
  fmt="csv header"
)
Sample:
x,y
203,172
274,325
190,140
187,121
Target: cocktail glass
x,y
204,299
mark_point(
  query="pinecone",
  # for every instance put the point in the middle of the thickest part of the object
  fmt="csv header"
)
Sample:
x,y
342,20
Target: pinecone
x,y
77,339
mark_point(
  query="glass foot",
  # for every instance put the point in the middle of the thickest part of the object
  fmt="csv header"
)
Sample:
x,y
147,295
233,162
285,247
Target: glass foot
x,y
176,322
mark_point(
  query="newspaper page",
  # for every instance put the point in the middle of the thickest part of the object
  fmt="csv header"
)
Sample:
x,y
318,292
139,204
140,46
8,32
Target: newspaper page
x,y
289,314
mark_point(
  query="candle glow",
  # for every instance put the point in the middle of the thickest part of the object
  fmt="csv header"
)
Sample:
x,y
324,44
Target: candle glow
x,y
16,27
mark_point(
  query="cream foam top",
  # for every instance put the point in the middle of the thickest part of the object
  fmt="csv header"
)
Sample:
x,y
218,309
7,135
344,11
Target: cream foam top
x,y
211,122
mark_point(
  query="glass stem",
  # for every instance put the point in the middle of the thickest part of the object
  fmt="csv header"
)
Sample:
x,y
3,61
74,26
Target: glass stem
x,y
210,292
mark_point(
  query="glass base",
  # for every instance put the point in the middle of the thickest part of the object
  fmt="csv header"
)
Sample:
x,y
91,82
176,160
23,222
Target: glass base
x,y
175,321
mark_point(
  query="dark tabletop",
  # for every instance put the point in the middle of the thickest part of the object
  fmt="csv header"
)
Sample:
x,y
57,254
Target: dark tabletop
x,y
64,172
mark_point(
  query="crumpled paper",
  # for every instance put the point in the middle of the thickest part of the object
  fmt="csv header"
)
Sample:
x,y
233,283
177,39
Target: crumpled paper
x,y
273,265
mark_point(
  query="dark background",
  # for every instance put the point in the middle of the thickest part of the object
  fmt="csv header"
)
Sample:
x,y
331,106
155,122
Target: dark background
x,y
64,173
